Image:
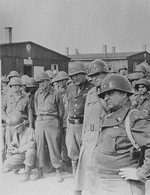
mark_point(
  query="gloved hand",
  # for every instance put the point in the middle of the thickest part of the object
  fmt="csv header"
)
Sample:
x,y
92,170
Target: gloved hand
x,y
128,173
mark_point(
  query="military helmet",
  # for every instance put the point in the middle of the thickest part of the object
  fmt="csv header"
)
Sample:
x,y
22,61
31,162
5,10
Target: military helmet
x,y
97,66
24,79
42,76
15,81
13,73
50,73
140,68
115,82
134,76
31,82
62,75
16,121
143,82
122,67
4,79
55,72
76,68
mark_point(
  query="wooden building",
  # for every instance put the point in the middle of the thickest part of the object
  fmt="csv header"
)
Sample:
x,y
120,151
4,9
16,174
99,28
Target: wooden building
x,y
115,60
30,58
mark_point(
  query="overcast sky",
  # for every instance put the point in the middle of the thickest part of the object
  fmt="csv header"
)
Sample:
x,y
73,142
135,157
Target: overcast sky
x,y
85,25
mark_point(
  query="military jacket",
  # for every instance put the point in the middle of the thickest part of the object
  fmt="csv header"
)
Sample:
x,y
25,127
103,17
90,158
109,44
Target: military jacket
x,y
76,101
114,146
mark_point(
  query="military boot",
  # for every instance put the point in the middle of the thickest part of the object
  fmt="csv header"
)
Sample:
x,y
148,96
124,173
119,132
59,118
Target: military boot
x,y
26,176
38,175
59,175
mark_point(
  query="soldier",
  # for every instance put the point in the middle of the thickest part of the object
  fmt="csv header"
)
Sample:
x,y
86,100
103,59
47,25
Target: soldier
x,y
122,70
31,88
141,70
75,105
142,99
62,79
22,148
94,110
123,135
49,111
14,103
12,74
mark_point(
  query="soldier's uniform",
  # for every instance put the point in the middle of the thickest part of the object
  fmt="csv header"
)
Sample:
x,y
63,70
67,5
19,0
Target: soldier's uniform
x,y
49,110
118,168
11,106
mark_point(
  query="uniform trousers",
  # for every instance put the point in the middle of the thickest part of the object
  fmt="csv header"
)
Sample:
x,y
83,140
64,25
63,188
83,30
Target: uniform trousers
x,y
15,161
119,187
73,140
9,134
47,134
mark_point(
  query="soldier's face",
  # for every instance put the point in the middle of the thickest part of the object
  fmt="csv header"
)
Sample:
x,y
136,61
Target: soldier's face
x,y
63,83
43,84
15,88
78,79
142,89
114,99
97,79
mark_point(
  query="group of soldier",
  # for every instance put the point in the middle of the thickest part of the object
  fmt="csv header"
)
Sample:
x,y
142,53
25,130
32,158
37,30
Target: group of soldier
x,y
92,121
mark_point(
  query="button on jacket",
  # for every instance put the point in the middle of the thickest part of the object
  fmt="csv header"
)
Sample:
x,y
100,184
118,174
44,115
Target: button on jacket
x,y
76,101
113,151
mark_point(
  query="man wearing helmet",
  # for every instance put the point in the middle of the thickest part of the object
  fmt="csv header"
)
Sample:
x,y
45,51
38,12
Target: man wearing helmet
x,y
94,110
123,135
49,111
75,110
21,151
14,103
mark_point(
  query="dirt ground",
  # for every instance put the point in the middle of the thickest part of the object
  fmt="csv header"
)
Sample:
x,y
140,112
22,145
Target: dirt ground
x,y
46,186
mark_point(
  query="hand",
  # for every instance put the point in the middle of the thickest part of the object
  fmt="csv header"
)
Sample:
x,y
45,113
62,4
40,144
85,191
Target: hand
x,y
128,173
8,121
14,151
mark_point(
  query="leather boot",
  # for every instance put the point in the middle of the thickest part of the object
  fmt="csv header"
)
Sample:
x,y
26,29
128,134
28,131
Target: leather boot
x,y
59,175
38,175
26,176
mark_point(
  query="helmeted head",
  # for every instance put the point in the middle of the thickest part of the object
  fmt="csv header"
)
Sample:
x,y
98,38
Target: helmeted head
x,y
141,84
12,74
16,84
4,79
115,82
76,68
31,82
122,70
141,70
97,66
50,74
97,70
62,78
43,80
24,79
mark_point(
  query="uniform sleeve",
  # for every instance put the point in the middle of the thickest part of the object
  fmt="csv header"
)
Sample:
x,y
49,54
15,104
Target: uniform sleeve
x,y
141,133
60,106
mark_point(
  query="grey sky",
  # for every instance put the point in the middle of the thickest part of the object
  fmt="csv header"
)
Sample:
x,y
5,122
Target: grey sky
x,y
83,24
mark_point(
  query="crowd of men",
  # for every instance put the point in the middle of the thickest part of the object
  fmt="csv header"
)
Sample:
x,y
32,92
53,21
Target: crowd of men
x,y
92,122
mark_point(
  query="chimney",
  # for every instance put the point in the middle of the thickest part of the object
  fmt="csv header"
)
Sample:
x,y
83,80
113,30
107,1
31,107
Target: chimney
x,y
76,51
8,34
67,51
104,49
144,47
113,49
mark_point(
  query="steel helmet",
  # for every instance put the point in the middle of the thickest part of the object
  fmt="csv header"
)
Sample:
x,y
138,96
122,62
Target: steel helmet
x,y
31,82
5,79
55,72
15,81
50,73
115,82
140,68
62,75
122,67
143,82
13,73
97,66
24,79
76,68
16,121
42,76
135,76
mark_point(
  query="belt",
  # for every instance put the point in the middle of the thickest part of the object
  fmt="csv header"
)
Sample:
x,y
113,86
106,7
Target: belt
x,y
45,117
75,121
